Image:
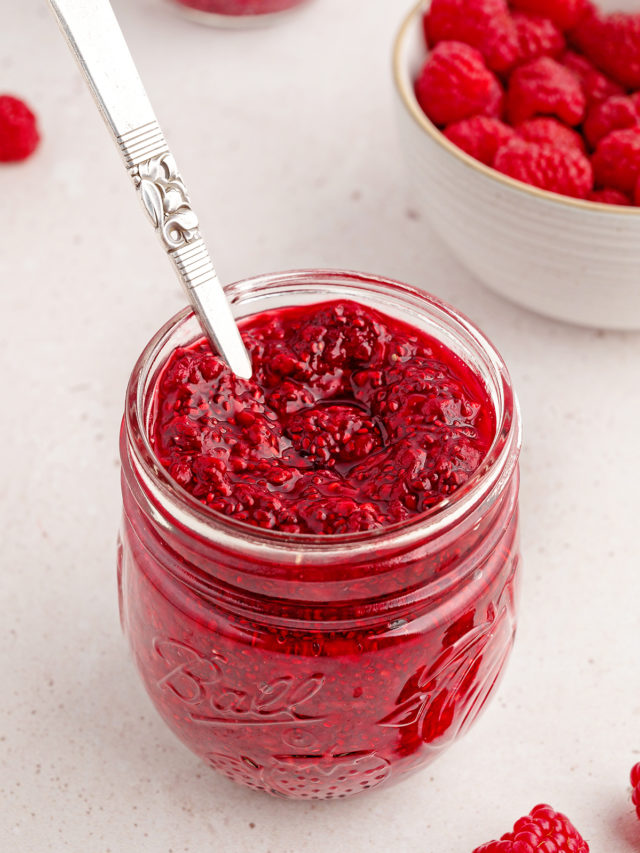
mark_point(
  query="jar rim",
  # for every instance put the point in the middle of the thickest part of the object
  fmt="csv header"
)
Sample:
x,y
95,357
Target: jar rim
x,y
495,470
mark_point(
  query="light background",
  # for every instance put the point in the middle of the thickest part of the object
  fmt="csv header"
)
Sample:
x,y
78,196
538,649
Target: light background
x,y
286,140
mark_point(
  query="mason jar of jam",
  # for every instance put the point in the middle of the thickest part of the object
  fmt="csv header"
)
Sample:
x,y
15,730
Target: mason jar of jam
x,y
236,12
318,567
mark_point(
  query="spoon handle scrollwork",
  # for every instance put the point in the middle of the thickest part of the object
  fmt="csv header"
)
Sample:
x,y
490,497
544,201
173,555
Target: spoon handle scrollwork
x,y
94,36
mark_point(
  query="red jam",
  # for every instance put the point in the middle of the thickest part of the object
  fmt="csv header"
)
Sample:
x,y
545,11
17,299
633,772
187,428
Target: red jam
x,y
352,421
318,666
240,7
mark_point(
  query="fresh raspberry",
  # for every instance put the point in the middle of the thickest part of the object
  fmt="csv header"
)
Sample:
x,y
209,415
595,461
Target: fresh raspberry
x,y
635,780
609,196
616,113
596,86
543,830
544,87
455,83
565,14
616,162
483,24
18,130
537,37
549,131
612,43
559,170
480,136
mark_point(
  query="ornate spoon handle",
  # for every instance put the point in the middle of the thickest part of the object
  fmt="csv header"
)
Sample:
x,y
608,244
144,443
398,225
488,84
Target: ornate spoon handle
x,y
95,38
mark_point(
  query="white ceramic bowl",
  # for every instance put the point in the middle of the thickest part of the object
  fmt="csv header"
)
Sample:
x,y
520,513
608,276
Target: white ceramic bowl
x,y
569,259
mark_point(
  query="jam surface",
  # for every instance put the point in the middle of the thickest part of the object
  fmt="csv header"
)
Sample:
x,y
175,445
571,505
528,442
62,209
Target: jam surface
x,y
352,421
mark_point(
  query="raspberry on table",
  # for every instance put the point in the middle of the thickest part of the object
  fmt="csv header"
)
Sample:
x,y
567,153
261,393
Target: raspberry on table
x,y
609,196
595,85
616,113
537,37
612,43
480,136
616,162
565,14
544,87
19,135
550,131
635,784
483,24
543,830
455,84
559,170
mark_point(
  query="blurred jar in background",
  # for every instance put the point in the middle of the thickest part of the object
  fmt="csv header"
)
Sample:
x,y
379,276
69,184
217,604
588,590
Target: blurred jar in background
x,y
236,12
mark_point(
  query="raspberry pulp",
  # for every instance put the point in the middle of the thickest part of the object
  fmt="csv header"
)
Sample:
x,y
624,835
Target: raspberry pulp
x,y
19,135
352,421
543,829
455,84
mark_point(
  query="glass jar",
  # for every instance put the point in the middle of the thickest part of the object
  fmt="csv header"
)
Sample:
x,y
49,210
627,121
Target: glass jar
x,y
236,12
320,666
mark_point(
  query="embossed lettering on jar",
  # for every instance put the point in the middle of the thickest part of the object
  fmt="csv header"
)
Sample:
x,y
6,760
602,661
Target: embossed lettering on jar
x,y
318,666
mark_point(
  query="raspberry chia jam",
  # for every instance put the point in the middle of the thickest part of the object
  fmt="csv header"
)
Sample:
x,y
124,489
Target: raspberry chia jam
x,y
318,567
236,12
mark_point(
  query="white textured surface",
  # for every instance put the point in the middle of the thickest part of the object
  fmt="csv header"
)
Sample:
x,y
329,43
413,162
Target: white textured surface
x,y
287,139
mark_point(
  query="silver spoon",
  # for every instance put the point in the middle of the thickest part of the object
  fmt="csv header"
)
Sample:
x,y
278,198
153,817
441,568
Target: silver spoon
x,y
94,36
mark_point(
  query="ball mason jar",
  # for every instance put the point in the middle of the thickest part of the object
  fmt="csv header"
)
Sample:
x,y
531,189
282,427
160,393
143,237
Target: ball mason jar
x,y
236,13
320,666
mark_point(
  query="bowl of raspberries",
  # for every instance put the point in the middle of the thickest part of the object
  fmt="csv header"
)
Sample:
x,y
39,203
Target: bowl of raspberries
x,y
520,120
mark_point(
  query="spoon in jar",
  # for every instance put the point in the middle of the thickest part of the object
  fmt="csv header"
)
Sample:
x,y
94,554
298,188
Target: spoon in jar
x,y
95,38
